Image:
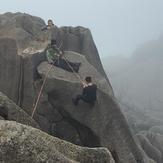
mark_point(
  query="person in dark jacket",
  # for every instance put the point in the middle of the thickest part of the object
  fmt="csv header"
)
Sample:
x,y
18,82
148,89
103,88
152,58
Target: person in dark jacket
x,y
89,92
55,56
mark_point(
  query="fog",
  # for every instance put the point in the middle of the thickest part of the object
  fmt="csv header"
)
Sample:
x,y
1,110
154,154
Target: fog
x,y
137,80
118,27
129,37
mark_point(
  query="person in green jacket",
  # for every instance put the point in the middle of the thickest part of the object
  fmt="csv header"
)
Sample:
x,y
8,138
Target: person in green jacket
x,y
54,56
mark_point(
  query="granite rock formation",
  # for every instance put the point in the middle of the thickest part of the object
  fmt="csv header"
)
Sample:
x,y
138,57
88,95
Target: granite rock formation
x,y
23,66
20,143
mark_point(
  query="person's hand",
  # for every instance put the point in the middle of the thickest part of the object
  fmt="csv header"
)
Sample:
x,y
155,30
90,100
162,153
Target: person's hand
x,y
61,54
48,27
84,84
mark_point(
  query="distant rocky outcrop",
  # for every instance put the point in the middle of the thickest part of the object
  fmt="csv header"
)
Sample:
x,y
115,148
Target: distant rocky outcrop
x,y
20,143
137,119
138,83
137,80
23,67
151,143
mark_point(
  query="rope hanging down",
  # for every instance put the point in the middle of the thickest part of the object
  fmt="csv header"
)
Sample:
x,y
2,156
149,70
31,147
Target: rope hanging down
x,y
40,92
76,74
41,89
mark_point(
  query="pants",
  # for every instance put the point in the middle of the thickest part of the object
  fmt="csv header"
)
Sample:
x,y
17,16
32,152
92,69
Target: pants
x,y
67,65
83,98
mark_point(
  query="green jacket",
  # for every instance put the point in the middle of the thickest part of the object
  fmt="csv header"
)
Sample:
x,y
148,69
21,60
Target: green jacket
x,y
51,55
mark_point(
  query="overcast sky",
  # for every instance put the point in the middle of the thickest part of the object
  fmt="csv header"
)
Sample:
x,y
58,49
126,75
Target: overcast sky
x,y
118,26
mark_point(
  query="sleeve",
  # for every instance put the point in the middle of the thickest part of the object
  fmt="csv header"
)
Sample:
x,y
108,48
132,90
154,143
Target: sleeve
x,y
48,56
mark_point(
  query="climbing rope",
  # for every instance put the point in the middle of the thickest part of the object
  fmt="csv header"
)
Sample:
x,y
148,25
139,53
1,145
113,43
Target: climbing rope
x,y
76,74
41,89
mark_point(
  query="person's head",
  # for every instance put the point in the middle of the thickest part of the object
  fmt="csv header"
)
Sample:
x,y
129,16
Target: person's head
x,y
50,22
88,79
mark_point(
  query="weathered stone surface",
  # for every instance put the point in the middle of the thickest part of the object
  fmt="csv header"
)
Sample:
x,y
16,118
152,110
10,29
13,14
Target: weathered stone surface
x,y
26,30
103,125
19,143
10,111
79,39
9,69
104,121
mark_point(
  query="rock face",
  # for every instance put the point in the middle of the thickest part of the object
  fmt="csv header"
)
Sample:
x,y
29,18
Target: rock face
x,y
19,143
96,126
26,30
103,125
9,69
79,39
10,111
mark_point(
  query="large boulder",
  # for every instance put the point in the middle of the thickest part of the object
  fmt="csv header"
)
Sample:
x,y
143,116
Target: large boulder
x,y
10,111
103,125
79,39
26,30
10,72
20,143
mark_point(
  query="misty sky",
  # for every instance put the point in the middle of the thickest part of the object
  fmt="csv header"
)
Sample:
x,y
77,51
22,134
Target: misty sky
x,y
118,26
